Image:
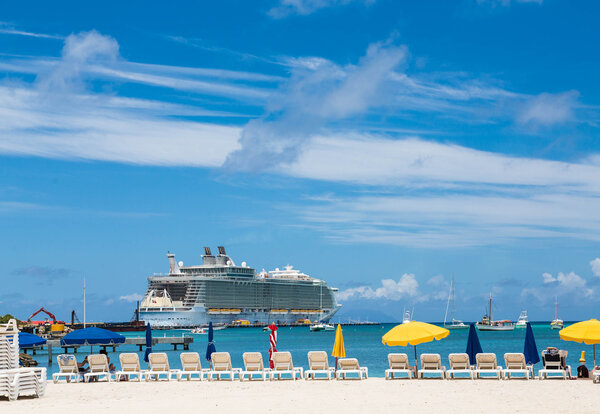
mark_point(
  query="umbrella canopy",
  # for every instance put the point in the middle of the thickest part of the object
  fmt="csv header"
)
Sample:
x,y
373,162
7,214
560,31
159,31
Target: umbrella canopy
x,y
587,332
148,342
338,346
27,340
473,345
272,343
92,336
211,345
530,351
413,333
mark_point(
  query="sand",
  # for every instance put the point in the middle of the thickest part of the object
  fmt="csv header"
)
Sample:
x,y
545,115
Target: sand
x,y
374,395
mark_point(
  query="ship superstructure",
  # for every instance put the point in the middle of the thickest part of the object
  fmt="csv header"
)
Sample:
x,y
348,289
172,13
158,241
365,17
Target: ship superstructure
x,y
220,291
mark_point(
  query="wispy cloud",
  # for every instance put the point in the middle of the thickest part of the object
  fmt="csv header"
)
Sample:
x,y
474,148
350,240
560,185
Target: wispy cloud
x,y
595,265
9,29
405,287
506,3
562,283
549,109
133,297
306,7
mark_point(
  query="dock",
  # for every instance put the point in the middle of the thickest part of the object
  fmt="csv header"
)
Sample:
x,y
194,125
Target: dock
x,y
183,341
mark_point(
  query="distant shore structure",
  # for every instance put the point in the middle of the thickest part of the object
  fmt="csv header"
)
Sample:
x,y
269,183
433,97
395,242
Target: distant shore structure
x,y
221,292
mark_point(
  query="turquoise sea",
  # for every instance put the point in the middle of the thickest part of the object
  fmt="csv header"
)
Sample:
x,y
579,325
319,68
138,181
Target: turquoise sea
x,y
361,341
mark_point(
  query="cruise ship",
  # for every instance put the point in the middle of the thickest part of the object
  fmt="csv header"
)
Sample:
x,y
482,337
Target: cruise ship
x,y
222,292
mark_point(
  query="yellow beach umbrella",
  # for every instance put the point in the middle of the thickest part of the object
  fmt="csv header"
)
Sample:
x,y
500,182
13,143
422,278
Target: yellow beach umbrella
x,y
338,346
587,332
413,333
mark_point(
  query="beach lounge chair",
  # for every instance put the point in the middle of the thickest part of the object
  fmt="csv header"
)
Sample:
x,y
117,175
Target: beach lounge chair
x,y
554,363
190,366
253,366
459,364
432,364
351,366
67,365
18,382
318,364
98,364
486,364
398,365
221,364
158,366
282,364
130,367
515,364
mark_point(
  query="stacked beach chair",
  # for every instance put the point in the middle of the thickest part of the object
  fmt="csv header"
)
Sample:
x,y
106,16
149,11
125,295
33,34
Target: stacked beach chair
x,y
15,381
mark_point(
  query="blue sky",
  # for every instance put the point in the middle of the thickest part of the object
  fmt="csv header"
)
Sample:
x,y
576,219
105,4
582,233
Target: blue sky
x,y
380,145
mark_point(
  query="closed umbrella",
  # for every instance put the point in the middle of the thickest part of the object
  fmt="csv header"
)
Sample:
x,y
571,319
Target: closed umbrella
x,y
272,343
211,345
148,342
587,332
339,351
530,351
414,333
27,340
473,345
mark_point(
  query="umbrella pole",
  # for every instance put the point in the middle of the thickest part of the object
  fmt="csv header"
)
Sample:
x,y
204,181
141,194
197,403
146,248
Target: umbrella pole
x,y
416,372
594,355
336,364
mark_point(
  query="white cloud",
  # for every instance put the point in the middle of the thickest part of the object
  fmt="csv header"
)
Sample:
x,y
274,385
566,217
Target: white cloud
x,y
548,278
406,286
506,3
305,7
9,29
316,94
134,297
595,265
549,109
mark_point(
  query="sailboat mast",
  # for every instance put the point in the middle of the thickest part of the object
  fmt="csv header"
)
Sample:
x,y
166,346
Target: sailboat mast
x,y
448,304
452,287
555,307
490,312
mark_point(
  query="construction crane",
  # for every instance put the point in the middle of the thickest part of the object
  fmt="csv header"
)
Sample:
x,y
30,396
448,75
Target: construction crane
x,y
46,312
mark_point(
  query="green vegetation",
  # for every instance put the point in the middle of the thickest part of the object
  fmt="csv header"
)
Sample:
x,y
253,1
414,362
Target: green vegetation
x,y
7,317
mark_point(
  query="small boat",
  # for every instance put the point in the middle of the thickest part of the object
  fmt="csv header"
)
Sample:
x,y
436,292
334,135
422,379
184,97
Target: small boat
x,y
523,319
199,330
487,324
456,324
556,323
407,317
317,327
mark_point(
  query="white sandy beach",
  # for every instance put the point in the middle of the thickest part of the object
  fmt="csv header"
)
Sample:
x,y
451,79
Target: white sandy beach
x,y
372,395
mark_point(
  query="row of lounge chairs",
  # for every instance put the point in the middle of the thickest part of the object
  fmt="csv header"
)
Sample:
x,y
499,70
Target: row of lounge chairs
x,y
486,367
220,368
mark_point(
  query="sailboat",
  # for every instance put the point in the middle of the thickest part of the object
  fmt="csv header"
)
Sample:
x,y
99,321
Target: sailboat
x,y
487,324
556,323
456,324
319,326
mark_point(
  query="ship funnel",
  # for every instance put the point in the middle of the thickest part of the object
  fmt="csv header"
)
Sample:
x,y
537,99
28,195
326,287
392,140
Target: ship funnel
x,y
207,251
173,266
222,250
208,259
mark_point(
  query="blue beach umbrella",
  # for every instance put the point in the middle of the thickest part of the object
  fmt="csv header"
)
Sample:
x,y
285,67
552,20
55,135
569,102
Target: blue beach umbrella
x,y
530,351
92,336
211,345
27,340
473,345
148,342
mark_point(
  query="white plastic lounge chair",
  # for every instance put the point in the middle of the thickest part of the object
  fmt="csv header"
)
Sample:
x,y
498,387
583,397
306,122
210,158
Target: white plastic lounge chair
x,y
486,364
158,366
432,364
67,365
398,365
98,364
253,366
351,366
130,367
459,364
553,364
22,381
283,364
190,366
318,364
221,364
515,364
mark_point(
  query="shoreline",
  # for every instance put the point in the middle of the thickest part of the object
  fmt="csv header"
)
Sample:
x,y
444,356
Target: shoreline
x,y
556,396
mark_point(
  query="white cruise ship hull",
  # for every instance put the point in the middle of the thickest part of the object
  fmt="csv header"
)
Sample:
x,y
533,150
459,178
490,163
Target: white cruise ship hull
x,y
198,316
